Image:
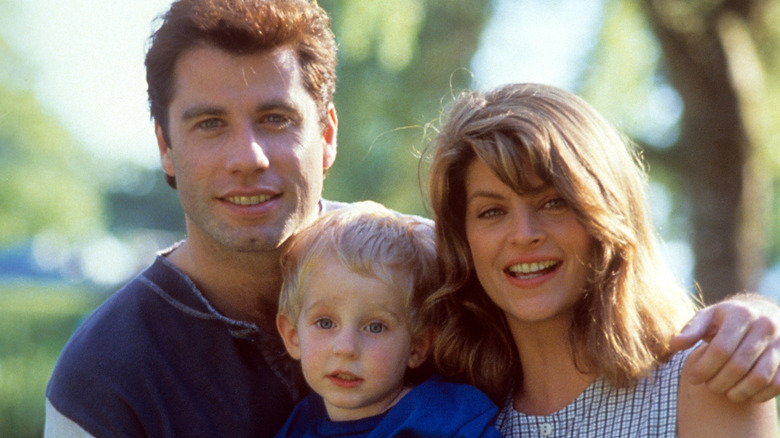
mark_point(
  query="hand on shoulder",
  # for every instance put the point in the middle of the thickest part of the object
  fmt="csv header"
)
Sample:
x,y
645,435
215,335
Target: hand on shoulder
x,y
702,412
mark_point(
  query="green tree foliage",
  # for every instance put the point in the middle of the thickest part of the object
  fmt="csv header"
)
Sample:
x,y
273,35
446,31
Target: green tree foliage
x,y
44,177
397,62
720,151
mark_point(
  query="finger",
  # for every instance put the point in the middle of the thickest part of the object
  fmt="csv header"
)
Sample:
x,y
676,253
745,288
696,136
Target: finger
x,y
752,365
762,382
731,330
768,393
699,327
692,363
708,366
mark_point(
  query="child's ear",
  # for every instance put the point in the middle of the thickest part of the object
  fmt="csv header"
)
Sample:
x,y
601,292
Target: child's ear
x,y
420,348
289,335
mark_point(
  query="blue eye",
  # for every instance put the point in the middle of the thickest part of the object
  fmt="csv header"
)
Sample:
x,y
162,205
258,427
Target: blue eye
x,y
210,124
375,327
324,323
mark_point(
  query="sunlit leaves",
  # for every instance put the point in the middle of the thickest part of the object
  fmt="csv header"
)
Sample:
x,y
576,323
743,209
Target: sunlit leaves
x,y
390,28
44,179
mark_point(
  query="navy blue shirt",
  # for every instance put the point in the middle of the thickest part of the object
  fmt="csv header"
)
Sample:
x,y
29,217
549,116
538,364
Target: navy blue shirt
x,y
156,359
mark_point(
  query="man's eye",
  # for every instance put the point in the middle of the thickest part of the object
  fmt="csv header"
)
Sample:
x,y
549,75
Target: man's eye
x,y
210,124
276,119
324,323
375,327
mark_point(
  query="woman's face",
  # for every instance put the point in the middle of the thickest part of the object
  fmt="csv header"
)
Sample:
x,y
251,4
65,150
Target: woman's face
x,y
530,252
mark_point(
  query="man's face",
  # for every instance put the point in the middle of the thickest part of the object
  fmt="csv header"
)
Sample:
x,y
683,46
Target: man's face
x,y
247,149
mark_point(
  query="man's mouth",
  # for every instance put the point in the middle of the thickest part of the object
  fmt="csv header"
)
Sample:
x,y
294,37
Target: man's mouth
x,y
527,271
248,200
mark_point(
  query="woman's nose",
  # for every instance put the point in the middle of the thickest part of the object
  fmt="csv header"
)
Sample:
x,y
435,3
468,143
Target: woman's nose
x,y
526,228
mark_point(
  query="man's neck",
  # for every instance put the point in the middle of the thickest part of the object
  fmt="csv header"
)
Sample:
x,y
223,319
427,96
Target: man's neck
x,y
241,286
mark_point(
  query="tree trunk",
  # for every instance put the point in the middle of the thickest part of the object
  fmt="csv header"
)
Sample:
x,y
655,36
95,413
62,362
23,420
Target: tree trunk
x,y
701,47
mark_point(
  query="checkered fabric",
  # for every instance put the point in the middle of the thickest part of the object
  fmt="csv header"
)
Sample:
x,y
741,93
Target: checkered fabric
x,y
648,409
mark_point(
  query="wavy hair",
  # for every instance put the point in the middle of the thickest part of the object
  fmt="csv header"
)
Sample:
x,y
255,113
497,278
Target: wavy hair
x,y
632,305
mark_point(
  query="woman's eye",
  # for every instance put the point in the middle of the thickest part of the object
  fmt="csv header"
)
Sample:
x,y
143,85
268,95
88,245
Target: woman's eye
x,y
493,212
324,323
556,204
375,327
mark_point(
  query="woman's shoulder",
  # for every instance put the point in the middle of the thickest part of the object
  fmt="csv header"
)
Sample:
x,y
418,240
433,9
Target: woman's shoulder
x,y
703,412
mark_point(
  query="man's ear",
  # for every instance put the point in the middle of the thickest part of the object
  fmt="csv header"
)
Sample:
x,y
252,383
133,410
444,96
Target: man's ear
x,y
165,151
289,335
421,346
329,139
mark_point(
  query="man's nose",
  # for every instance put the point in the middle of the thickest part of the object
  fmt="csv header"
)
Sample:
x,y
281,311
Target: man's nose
x,y
247,152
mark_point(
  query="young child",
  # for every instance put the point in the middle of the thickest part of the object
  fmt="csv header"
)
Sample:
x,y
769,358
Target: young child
x,y
350,311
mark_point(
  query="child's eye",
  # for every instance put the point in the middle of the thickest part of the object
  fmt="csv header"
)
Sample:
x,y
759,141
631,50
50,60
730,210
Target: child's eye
x,y
324,323
375,327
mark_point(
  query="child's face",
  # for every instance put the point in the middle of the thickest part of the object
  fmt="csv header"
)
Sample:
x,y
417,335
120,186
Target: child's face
x,y
353,340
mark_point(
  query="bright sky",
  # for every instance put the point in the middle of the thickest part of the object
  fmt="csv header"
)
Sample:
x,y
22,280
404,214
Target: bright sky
x,y
86,59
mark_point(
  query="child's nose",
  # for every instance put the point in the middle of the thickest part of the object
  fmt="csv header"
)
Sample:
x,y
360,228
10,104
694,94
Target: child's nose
x,y
346,343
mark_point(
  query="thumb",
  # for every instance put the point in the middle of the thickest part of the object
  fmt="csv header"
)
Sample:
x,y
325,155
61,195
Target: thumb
x,y
698,328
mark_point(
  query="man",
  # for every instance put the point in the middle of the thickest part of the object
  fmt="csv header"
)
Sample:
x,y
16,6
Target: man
x,y
241,95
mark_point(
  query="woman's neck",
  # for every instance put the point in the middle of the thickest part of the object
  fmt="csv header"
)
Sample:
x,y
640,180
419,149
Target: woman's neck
x,y
550,380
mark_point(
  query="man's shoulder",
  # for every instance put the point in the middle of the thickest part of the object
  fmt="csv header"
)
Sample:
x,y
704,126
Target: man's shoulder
x,y
114,326
94,365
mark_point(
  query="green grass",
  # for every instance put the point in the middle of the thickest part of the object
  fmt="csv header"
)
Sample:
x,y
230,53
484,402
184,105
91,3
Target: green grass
x,y
35,322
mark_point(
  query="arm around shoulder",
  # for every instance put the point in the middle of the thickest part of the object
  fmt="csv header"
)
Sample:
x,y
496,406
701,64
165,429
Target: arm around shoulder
x,y
701,412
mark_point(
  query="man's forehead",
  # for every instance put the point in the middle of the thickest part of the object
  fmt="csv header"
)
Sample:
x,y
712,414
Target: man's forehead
x,y
214,75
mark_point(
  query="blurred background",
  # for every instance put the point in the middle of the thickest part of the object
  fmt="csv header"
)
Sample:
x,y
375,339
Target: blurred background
x,y
84,206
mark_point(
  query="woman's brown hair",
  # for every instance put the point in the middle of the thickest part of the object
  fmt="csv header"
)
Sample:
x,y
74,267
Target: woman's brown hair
x,y
631,306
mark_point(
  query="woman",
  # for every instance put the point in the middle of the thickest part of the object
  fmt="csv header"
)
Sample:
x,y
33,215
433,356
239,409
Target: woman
x,y
561,305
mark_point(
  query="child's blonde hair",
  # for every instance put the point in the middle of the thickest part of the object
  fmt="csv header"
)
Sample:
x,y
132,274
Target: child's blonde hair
x,y
370,240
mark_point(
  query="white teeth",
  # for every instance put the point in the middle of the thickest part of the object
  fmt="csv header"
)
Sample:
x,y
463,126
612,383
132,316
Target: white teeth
x,y
345,377
531,268
248,200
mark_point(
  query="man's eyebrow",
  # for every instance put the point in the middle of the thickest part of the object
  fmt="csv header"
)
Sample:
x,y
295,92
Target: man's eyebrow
x,y
200,111
277,104
210,110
